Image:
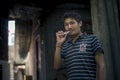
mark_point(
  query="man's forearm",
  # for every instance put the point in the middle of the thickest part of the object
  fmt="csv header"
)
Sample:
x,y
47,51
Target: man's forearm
x,y
57,57
102,73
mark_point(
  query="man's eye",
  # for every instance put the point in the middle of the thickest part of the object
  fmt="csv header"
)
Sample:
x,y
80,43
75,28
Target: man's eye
x,y
66,24
72,22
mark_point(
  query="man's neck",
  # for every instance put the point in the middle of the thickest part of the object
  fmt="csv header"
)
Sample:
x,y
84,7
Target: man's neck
x,y
75,37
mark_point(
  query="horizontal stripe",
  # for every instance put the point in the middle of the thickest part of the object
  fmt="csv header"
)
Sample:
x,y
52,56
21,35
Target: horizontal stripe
x,y
80,60
81,78
82,68
80,64
89,57
78,53
82,75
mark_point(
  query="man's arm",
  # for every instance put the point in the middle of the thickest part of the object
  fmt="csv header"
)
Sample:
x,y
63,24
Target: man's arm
x,y
101,66
57,57
60,38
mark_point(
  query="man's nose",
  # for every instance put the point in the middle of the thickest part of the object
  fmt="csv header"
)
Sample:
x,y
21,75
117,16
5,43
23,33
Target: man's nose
x,y
69,26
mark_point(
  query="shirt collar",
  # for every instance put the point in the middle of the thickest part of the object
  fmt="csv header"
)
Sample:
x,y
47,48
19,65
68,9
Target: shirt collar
x,y
80,37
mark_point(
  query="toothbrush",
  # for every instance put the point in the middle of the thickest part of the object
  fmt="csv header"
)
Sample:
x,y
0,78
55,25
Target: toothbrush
x,y
66,32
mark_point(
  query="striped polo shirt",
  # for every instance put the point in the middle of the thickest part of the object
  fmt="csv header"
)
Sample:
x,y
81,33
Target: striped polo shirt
x,y
79,57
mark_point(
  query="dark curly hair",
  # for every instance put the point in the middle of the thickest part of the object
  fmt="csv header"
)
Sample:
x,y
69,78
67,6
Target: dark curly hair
x,y
73,15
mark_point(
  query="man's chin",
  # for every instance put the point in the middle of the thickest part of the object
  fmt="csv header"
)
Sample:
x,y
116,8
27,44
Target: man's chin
x,y
71,34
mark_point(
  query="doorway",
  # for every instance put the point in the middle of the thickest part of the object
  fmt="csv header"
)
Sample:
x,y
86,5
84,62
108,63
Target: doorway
x,y
54,23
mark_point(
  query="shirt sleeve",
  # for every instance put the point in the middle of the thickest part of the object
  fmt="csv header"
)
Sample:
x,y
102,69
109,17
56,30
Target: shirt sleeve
x,y
62,53
97,45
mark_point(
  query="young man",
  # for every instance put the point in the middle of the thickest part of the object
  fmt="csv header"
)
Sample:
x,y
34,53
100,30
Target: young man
x,y
80,52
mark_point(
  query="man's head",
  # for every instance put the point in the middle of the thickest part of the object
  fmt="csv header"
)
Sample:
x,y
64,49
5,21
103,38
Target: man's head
x,y
72,22
73,15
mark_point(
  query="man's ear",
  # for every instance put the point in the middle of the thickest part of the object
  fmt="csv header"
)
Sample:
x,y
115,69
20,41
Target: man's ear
x,y
80,23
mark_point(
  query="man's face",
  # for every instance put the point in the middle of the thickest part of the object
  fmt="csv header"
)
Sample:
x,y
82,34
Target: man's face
x,y
72,25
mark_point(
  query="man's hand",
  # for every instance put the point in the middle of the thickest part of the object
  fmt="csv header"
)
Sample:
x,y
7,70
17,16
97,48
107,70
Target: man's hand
x,y
61,37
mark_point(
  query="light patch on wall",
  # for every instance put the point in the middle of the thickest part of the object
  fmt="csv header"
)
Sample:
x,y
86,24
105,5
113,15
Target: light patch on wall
x,y
11,32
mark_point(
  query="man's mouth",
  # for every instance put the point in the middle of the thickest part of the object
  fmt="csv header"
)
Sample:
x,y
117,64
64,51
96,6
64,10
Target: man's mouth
x,y
70,31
